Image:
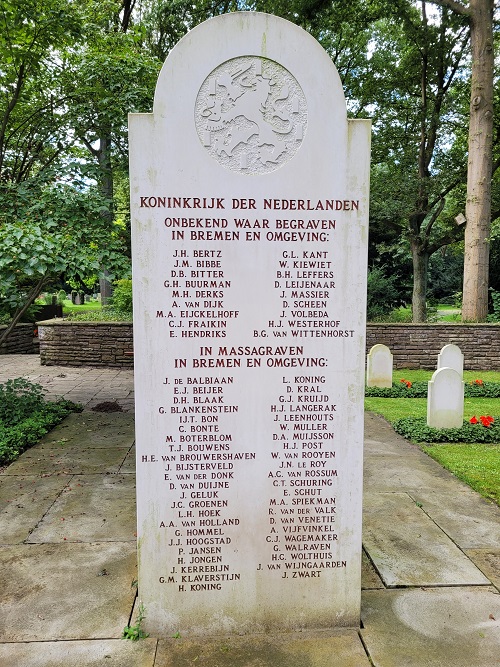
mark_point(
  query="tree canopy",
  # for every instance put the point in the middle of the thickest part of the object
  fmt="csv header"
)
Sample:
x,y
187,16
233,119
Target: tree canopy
x,y
71,72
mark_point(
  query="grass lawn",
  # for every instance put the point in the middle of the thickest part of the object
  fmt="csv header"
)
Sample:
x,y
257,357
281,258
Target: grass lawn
x,y
476,464
418,375
398,408
69,307
455,317
447,312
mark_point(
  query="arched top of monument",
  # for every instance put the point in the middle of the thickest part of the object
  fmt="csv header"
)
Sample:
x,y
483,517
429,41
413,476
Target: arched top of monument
x,y
240,47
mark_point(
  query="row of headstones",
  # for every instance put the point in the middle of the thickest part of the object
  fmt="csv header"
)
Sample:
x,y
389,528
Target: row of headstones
x,y
445,396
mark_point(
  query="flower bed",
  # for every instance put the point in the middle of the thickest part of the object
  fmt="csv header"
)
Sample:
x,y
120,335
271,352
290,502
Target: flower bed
x,y
416,429
407,389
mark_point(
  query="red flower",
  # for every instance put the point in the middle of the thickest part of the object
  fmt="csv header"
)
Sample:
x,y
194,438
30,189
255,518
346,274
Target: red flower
x,y
486,420
478,381
406,382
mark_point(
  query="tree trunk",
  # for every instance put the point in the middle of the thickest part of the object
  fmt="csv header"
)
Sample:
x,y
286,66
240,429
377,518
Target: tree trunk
x,y
105,288
23,308
420,264
478,206
106,189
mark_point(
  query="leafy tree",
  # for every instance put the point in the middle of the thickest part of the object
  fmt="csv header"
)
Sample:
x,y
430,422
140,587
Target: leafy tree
x,y
46,231
32,110
445,274
106,78
479,15
165,22
383,293
414,82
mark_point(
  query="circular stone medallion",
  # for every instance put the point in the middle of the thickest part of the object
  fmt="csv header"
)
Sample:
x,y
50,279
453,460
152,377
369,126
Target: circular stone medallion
x,y
251,115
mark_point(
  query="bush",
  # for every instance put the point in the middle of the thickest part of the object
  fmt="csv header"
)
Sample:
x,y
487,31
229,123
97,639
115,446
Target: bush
x,y
25,417
416,429
106,314
18,400
122,296
495,305
399,390
17,439
401,314
383,295
475,389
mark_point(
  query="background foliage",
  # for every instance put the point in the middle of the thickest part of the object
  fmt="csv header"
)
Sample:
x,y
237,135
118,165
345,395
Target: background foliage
x,y
71,72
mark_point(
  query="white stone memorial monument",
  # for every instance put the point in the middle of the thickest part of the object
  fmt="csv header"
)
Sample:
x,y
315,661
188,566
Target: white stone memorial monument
x,y
445,399
451,357
379,363
249,200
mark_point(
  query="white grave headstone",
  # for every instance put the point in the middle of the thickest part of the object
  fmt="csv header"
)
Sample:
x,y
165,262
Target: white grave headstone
x,y
451,357
379,363
445,399
249,200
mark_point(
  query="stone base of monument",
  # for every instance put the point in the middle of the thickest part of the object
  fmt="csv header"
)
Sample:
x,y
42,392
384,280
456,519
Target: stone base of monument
x,y
311,648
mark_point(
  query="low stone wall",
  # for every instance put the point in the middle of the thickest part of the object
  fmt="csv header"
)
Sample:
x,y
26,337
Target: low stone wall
x,y
418,345
20,341
413,345
65,343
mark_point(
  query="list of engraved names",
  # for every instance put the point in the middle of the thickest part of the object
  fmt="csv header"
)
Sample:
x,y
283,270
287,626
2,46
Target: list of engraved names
x,y
243,334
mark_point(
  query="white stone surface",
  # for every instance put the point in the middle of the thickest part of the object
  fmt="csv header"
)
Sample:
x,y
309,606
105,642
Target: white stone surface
x,y
249,202
379,366
451,357
445,399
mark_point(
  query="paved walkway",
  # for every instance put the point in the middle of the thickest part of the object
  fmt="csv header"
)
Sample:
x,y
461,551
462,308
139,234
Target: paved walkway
x,y
431,570
88,386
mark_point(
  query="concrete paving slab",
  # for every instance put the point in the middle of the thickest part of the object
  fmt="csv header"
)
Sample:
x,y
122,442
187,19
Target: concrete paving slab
x,y
369,576
98,653
24,501
93,508
128,465
408,549
393,447
444,627
93,429
127,405
381,439
378,428
68,461
471,521
407,473
66,591
488,561
306,649
83,383
79,395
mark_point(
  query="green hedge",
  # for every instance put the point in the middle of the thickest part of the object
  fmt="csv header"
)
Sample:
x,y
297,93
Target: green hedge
x,y
416,429
25,417
419,390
